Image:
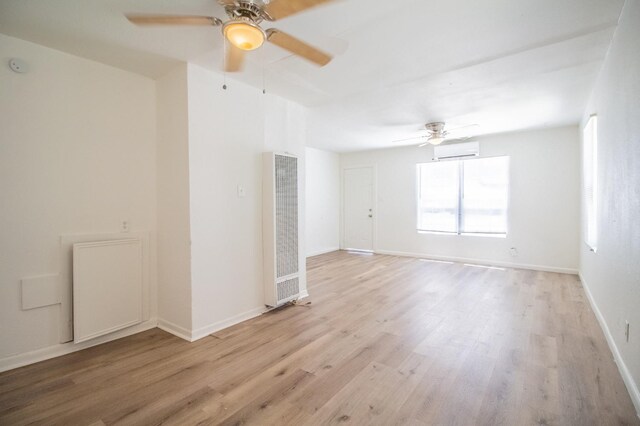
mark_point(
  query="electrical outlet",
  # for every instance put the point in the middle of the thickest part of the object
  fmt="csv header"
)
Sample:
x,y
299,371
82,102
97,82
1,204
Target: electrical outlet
x,y
513,251
124,226
241,191
626,330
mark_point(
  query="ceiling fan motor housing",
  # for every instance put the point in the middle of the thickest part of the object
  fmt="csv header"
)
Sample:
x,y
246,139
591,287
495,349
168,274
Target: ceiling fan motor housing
x,y
248,9
435,127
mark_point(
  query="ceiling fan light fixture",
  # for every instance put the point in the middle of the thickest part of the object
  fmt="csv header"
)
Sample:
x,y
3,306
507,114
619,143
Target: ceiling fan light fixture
x,y
244,34
436,140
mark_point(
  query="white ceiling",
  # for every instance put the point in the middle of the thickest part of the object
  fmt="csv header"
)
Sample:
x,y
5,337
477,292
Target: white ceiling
x,y
503,64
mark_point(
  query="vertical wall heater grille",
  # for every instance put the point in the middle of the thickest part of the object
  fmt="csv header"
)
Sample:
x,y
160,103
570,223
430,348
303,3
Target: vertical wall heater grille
x,y
280,228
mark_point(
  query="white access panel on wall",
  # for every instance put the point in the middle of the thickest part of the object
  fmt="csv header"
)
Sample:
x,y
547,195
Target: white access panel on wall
x,y
107,287
281,228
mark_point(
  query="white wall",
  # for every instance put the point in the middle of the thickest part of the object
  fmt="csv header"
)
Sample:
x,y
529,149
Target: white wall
x,y
174,238
228,131
543,212
612,274
77,156
322,201
86,146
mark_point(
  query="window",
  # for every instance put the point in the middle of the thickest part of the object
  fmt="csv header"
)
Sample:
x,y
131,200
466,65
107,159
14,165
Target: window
x,y
590,182
464,196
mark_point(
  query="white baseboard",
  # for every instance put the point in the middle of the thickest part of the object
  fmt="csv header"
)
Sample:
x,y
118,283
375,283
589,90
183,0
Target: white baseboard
x,y
174,329
632,386
38,355
481,262
43,354
20,360
324,251
220,325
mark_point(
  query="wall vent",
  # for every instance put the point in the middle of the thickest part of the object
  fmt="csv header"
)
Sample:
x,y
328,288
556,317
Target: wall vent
x,y
288,288
456,150
281,226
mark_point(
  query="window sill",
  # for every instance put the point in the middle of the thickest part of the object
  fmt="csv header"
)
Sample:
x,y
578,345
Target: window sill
x,y
463,234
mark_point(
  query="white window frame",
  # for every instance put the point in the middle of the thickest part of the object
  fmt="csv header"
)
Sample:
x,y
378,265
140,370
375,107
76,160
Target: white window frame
x,y
460,201
590,181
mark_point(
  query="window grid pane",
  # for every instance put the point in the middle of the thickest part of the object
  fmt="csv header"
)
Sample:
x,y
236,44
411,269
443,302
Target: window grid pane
x,y
464,196
485,196
438,197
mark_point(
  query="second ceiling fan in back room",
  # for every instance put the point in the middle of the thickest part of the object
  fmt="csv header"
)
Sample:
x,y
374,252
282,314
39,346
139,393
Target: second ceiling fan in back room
x,y
242,28
436,134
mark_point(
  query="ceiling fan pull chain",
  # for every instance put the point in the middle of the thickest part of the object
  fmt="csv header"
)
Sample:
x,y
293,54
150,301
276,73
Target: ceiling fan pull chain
x,y
264,70
224,65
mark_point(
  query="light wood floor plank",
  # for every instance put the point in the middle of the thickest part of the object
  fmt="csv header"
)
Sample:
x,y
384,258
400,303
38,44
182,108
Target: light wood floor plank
x,y
386,340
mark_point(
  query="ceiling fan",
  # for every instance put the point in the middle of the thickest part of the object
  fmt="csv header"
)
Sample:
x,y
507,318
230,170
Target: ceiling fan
x,y
436,134
242,28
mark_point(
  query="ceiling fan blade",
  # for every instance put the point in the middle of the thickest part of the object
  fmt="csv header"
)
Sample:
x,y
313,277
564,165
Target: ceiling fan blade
x,y
410,139
279,9
423,144
234,59
462,127
456,139
174,20
298,47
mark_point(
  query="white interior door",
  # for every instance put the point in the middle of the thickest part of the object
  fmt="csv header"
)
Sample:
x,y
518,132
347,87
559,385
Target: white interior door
x,y
358,208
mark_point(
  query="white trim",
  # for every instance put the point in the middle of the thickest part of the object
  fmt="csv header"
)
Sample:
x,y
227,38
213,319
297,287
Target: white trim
x,y
632,387
323,251
220,325
482,262
54,351
174,329
38,355
355,250
303,294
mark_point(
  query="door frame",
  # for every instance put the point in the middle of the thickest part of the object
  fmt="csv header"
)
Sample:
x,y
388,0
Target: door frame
x,y
374,195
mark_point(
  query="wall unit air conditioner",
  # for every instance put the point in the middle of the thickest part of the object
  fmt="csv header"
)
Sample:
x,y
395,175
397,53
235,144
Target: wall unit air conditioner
x,y
280,228
456,150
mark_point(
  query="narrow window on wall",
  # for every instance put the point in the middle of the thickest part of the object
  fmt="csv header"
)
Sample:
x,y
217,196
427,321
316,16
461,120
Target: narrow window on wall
x,y
590,181
464,196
